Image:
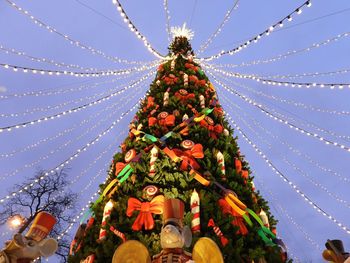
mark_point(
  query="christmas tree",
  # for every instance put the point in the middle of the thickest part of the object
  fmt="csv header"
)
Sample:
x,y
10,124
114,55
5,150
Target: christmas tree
x,y
180,167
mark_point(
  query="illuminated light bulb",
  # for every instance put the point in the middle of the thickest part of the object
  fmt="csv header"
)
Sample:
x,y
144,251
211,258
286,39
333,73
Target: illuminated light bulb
x,y
289,18
308,4
298,11
280,24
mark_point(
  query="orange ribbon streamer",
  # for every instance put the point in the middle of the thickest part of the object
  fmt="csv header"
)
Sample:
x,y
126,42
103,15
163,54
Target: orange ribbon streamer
x,y
145,218
237,221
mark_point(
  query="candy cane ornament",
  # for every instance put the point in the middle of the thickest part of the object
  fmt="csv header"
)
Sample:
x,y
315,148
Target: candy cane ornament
x,y
218,233
221,162
264,218
166,98
202,101
195,210
118,233
154,157
185,80
172,64
106,214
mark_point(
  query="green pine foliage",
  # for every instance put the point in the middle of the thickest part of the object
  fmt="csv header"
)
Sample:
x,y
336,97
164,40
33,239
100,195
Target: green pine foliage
x,y
176,183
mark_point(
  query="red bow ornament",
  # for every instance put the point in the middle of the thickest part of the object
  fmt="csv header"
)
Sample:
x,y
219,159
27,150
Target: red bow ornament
x,y
145,218
237,221
213,129
184,96
188,157
164,119
191,66
170,79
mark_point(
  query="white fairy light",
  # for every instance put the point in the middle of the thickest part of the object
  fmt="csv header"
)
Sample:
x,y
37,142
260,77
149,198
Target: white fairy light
x,y
57,115
266,32
167,17
77,153
279,83
289,182
314,74
135,30
182,32
279,119
218,30
69,39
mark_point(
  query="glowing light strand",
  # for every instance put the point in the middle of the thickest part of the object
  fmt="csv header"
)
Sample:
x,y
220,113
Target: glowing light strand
x,y
44,60
280,83
255,39
289,182
303,75
219,29
285,160
167,19
285,122
294,150
290,102
49,72
75,155
290,218
70,141
134,30
69,39
288,53
73,110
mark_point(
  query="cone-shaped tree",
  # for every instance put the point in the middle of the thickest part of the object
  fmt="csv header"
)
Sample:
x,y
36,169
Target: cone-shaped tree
x,y
179,141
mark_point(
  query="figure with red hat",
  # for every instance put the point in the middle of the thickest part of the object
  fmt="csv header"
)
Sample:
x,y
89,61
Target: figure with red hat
x,y
24,249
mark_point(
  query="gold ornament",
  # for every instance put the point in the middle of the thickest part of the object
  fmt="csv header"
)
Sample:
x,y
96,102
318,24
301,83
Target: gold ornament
x,y
131,251
206,251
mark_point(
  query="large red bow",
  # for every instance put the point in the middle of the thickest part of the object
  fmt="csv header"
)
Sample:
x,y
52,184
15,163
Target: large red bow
x,y
119,166
188,156
170,79
184,98
167,121
213,129
146,209
191,66
237,221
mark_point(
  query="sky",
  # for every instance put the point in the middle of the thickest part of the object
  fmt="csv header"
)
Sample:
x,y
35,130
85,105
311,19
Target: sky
x,y
318,170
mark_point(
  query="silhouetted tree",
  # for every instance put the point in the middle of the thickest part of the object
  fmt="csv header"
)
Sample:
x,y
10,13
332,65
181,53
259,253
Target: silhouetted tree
x,y
50,194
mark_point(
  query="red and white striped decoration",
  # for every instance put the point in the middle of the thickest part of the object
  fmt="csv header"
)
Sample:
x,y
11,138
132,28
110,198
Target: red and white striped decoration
x,y
154,157
221,162
166,98
172,64
118,233
217,231
195,210
185,80
89,259
106,214
202,101
264,218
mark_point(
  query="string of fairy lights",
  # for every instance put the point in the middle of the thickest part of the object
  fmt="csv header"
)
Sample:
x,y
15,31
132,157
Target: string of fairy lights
x,y
16,68
134,30
303,75
167,19
265,33
280,83
227,17
75,155
44,60
279,119
285,160
288,181
288,53
125,99
297,152
284,212
74,110
68,38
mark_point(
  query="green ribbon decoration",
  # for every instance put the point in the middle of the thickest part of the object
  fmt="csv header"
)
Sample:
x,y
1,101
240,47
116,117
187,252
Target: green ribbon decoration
x,y
149,137
125,173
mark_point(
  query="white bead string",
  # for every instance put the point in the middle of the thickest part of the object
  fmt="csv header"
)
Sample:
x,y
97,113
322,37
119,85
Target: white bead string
x,y
296,168
75,155
126,99
227,17
280,83
279,119
287,54
289,182
134,30
48,72
255,39
69,39
73,110
167,19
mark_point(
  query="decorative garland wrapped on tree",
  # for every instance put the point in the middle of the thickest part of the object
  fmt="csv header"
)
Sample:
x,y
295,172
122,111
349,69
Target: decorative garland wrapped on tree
x,y
180,169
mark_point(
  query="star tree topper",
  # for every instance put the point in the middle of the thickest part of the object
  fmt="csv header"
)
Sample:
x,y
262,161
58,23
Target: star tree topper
x,y
182,32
